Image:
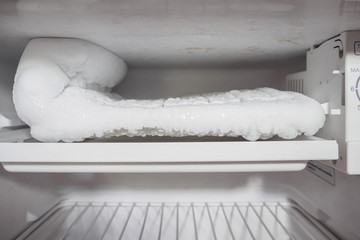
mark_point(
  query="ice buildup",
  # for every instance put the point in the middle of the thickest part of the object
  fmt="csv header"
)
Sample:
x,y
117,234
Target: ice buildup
x,y
62,91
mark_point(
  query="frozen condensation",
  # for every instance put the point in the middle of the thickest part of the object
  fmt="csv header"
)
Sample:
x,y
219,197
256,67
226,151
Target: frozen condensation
x,y
62,91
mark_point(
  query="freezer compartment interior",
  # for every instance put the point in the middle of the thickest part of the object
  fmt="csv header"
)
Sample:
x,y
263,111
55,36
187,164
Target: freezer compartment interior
x,y
176,155
203,47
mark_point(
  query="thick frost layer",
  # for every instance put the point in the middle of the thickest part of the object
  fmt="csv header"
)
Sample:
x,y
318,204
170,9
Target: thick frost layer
x,y
62,92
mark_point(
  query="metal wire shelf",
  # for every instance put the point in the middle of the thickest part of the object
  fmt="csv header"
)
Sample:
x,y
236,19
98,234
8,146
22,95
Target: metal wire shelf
x,y
120,220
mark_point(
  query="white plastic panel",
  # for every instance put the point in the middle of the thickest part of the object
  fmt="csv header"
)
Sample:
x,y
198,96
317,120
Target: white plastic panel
x,y
223,156
333,77
156,167
302,148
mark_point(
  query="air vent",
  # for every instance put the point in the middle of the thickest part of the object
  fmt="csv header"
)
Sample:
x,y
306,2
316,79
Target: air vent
x,y
295,85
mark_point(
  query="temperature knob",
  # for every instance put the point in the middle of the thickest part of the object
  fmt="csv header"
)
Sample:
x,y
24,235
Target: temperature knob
x,y
357,88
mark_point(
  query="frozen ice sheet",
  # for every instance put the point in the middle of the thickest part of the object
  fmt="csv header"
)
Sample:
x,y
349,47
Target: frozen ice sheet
x,y
62,91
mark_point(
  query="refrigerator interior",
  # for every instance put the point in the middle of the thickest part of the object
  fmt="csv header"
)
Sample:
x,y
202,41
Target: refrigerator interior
x,y
177,48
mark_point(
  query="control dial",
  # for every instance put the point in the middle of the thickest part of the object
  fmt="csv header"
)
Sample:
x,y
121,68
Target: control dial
x,y
357,88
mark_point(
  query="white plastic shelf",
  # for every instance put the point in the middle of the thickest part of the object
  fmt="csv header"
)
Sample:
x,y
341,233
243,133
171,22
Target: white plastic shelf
x,y
118,220
179,155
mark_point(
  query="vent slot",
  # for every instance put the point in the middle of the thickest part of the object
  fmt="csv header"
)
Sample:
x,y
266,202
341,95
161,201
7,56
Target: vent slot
x,y
295,85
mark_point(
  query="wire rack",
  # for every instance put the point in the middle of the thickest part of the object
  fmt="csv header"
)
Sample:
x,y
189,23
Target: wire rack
x,y
109,220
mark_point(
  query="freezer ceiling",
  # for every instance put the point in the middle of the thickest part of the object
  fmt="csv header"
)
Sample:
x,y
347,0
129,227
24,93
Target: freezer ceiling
x,y
180,33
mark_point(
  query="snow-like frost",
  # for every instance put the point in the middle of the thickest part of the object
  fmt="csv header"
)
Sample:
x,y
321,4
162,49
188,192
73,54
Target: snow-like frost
x,y
62,91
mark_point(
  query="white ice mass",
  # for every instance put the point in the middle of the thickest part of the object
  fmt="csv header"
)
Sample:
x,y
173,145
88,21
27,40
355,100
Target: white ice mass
x,y
62,91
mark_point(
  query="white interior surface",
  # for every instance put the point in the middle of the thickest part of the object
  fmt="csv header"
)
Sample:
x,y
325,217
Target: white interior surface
x,y
177,48
181,33
8,115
